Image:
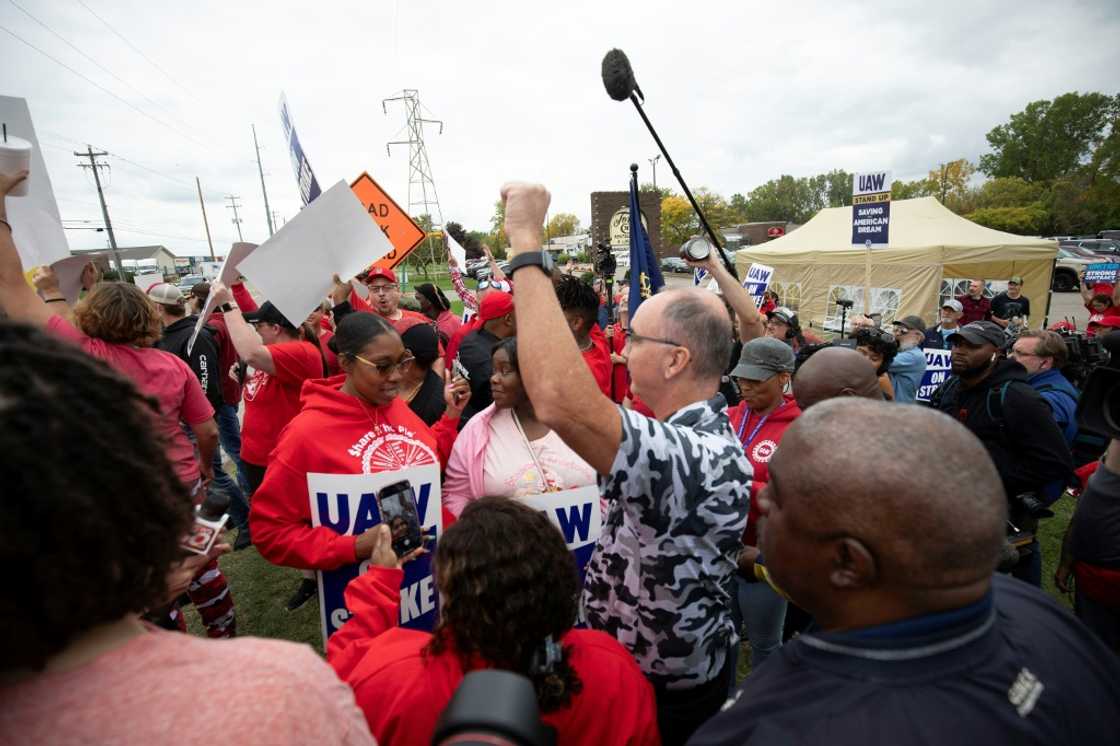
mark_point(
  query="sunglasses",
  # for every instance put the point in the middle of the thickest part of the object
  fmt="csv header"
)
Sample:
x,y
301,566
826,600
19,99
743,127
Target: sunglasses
x,y
386,369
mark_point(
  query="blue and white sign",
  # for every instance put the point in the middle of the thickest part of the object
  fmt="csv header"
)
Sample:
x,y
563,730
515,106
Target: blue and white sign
x,y
578,514
347,504
305,177
871,209
938,370
757,281
1101,272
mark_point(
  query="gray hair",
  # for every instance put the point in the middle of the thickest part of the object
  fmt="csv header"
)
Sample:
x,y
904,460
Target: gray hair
x,y
703,328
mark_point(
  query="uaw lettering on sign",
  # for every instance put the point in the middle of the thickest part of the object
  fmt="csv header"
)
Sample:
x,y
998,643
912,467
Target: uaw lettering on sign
x,y
578,515
871,209
938,370
757,280
347,504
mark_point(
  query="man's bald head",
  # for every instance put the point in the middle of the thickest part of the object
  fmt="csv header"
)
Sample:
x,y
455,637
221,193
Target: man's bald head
x,y
910,485
697,320
833,372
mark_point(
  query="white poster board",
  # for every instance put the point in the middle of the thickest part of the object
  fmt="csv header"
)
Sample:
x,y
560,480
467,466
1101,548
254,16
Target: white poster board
x,y
227,275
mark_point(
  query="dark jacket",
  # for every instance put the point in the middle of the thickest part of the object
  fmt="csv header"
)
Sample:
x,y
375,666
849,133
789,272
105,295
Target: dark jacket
x,y
203,358
934,339
1014,423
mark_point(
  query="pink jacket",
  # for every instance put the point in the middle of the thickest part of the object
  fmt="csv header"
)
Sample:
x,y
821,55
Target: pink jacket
x,y
463,480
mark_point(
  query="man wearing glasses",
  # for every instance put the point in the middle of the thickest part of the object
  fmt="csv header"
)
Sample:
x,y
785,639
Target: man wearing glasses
x,y
385,300
1043,354
909,365
675,486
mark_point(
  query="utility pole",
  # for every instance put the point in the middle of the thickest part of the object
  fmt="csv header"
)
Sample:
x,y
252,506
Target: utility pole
x,y
93,166
236,219
275,219
653,162
260,169
205,222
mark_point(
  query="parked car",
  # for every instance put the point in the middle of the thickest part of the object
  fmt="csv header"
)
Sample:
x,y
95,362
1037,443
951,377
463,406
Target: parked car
x,y
674,264
1105,246
483,273
1071,261
188,282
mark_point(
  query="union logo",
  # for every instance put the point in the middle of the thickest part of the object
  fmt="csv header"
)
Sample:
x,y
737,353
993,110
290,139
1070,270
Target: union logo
x,y
394,451
763,451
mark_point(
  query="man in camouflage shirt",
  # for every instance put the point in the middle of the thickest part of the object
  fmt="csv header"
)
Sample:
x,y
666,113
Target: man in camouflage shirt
x,y
676,486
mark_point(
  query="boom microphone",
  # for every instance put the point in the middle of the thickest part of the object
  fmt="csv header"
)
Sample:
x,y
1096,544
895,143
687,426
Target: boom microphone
x,y
618,79
618,76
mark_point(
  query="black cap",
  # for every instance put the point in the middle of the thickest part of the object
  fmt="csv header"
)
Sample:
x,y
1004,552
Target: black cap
x,y
268,314
912,323
980,333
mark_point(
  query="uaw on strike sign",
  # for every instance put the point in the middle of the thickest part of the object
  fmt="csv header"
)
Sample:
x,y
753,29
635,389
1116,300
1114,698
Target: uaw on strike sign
x,y
871,209
401,230
347,503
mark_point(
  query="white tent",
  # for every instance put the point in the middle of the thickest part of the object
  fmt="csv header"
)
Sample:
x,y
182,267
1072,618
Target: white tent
x,y
932,252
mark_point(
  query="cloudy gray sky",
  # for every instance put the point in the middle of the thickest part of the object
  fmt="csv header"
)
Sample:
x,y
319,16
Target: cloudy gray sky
x,y
740,91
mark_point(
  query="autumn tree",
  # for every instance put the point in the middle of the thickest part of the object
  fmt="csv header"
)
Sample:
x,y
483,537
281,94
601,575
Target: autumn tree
x,y
678,220
562,224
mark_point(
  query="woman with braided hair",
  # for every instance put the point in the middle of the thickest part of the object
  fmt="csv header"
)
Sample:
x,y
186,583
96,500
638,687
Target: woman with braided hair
x,y
509,592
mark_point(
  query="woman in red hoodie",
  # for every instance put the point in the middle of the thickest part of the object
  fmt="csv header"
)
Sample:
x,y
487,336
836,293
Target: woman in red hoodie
x,y
509,598
354,423
763,374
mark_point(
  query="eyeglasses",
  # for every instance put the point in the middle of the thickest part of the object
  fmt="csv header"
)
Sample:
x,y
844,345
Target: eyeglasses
x,y
386,369
1020,353
493,285
383,289
632,336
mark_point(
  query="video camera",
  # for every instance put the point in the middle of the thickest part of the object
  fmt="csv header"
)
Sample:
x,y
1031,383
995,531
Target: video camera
x,y
605,263
493,707
1084,354
1098,409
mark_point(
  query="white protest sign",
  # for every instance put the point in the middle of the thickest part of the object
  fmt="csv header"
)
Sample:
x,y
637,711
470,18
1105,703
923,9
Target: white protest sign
x,y
36,224
347,504
578,514
227,275
938,370
69,273
757,281
331,236
457,251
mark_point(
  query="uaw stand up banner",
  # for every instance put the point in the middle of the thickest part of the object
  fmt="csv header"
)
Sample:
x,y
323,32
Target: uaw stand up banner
x,y
347,503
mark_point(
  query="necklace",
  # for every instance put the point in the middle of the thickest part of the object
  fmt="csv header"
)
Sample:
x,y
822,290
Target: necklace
x,y
374,426
411,393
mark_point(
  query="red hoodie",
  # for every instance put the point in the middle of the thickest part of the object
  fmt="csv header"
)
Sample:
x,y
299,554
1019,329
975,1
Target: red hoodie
x,y
334,433
620,377
402,691
598,359
760,437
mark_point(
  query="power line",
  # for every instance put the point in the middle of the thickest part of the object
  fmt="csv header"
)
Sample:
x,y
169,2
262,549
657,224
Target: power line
x,y
102,88
236,219
136,49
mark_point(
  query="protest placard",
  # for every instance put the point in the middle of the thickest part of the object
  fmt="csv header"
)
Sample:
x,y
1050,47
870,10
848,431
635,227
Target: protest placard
x,y
347,504
36,225
457,251
227,275
938,370
305,178
757,281
871,209
579,516
332,235
1101,272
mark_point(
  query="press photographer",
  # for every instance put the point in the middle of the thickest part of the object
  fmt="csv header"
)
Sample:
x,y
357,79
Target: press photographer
x,y
1091,547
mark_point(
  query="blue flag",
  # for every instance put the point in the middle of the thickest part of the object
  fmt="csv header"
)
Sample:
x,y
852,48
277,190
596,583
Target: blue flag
x,y
645,275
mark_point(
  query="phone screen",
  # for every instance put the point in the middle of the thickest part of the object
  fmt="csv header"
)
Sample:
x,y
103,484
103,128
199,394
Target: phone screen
x,y
398,510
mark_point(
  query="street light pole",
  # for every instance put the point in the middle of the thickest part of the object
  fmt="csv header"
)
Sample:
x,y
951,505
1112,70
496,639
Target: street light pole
x,y
653,163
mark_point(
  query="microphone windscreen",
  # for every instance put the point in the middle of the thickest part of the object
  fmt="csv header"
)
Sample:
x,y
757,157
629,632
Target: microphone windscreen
x,y
618,76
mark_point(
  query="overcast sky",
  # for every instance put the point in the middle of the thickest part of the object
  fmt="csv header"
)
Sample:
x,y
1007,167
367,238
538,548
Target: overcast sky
x,y
740,92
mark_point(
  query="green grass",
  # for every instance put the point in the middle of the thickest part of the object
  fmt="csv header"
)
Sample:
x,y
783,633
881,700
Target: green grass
x,y
261,590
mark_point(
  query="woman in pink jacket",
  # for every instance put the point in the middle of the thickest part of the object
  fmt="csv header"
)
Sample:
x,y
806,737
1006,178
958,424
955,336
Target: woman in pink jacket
x,y
504,451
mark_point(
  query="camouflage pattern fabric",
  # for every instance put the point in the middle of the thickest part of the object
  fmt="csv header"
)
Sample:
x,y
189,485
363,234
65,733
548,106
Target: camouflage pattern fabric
x,y
660,576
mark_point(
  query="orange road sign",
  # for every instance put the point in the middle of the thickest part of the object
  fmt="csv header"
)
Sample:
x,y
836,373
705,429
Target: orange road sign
x,y
401,230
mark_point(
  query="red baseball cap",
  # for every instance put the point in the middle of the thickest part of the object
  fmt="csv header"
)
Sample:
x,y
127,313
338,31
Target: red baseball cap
x,y
495,305
377,271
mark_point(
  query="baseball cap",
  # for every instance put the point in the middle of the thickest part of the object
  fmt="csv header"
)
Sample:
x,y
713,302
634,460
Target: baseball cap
x,y
166,294
763,358
911,323
268,314
375,272
981,332
1016,279
495,305
954,304
783,315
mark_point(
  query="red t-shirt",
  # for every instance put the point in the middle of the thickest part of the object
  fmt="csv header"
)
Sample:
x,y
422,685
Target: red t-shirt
x,y
271,401
598,359
160,375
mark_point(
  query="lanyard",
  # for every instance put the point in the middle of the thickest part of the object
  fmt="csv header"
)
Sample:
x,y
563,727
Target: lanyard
x,y
532,454
754,433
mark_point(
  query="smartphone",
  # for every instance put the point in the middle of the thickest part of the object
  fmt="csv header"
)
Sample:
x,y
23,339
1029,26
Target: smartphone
x,y
204,533
458,370
397,503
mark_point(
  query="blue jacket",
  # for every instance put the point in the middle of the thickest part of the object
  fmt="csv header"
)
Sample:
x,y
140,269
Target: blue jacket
x,y
906,373
1060,394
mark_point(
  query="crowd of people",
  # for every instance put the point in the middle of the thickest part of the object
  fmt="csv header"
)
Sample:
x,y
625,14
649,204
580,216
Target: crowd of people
x,y
756,481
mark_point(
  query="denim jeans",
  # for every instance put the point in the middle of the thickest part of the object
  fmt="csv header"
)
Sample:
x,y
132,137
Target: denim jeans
x,y
762,611
229,435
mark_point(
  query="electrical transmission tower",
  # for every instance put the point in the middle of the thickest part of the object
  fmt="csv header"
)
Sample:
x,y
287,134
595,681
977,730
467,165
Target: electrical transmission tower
x,y
236,218
422,196
95,166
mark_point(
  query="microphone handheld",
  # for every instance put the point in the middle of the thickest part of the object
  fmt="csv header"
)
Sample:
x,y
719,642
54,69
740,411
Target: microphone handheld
x,y
618,79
